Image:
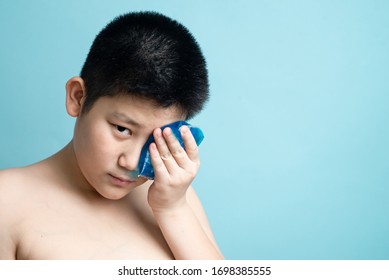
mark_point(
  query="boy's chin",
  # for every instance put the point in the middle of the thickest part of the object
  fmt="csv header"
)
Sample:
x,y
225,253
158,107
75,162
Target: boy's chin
x,y
114,194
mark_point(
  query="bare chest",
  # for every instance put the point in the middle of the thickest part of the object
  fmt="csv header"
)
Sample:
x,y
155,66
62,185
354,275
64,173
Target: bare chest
x,y
52,231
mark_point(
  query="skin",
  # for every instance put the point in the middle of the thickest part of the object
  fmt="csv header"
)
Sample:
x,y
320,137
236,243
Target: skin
x,y
82,202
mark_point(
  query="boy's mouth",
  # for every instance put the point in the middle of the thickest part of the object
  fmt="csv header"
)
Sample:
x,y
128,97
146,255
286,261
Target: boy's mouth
x,y
121,181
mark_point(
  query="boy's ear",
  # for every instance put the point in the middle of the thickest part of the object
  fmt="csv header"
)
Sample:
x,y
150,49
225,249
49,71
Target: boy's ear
x,y
75,96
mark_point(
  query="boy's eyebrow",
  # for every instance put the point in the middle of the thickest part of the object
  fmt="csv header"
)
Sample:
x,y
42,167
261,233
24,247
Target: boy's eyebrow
x,y
126,119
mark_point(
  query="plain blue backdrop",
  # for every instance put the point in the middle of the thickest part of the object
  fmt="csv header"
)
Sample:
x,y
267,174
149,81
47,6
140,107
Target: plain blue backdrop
x,y
295,163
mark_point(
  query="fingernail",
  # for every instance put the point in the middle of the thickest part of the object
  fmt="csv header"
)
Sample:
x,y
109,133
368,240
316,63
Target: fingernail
x,y
184,129
167,130
158,132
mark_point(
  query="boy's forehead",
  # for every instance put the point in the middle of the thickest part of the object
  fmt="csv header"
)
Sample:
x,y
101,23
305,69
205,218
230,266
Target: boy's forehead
x,y
136,110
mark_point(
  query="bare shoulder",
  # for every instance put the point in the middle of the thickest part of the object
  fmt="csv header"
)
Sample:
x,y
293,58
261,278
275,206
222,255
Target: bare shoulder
x,y
12,184
10,181
8,176
9,187
8,197
21,182
19,188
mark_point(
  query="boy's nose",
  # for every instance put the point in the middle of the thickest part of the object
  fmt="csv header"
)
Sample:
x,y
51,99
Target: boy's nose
x,y
129,159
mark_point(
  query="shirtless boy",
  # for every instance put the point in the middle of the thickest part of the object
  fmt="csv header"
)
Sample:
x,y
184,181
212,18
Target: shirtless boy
x,y
143,71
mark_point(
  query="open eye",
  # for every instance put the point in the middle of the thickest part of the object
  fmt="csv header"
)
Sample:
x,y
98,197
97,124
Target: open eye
x,y
123,130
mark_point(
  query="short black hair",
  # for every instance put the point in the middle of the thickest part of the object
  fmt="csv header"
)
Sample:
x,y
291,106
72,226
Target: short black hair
x,y
149,55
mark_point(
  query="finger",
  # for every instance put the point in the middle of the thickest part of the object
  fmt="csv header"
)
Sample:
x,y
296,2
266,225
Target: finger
x,y
164,151
190,144
156,161
176,149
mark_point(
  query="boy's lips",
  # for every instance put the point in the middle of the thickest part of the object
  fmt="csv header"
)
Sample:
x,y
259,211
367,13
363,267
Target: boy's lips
x,y
120,181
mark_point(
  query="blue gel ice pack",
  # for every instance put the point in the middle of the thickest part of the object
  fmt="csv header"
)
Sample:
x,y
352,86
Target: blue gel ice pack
x,y
145,167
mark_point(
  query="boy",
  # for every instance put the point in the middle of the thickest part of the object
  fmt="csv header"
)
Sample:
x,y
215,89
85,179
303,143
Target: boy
x,y
143,71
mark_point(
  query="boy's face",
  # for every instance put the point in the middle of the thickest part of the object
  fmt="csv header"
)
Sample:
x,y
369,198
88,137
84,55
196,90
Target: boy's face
x,y
108,140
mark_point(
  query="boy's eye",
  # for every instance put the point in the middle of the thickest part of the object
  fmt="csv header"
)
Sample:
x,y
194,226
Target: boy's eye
x,y
123,130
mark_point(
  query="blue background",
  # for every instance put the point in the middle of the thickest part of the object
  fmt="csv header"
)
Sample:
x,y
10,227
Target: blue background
x,y
295,161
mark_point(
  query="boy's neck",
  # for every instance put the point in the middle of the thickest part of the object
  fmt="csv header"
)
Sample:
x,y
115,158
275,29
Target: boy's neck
x,y
66,166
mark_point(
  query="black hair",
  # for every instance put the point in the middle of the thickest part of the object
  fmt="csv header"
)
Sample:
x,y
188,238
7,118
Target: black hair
x,y
148,55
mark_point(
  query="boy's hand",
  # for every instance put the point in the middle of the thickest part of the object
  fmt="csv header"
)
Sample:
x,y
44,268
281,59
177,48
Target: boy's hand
x,y
174,167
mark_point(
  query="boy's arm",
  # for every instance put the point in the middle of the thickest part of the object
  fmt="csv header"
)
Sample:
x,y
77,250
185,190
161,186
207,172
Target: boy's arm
x,y
187,231
174,203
